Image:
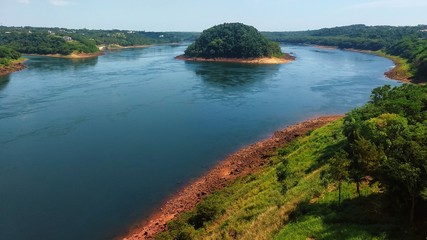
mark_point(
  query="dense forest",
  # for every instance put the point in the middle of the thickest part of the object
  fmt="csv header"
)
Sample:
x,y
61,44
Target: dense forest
x,y
64,41
387,140
233,40
361,177
409,43
8,55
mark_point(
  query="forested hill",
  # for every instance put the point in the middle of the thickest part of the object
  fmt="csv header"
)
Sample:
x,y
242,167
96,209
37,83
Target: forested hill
x,y
350,36
65,41
233,40
409,42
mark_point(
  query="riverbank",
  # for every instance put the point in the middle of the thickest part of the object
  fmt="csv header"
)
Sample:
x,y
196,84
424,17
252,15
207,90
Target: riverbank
x,y
72,55
272,60
239,164
15,66
118,47
400,72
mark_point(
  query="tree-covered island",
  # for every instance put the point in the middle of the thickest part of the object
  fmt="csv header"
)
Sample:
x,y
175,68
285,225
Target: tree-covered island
x,y
235,42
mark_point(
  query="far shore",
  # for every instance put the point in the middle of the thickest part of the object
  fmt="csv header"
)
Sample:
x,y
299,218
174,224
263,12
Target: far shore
x,y
70,56
396,73
118,47
245,161
265,60
17,65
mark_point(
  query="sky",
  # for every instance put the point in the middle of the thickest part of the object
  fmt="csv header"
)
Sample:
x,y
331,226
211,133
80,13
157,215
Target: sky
x,y
197,15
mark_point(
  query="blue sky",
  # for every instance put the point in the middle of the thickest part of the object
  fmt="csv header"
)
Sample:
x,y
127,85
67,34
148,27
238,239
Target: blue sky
x,y
196,15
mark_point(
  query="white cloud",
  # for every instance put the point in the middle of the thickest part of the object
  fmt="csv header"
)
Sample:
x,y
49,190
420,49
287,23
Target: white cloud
x,y
24,1
375,4
59,2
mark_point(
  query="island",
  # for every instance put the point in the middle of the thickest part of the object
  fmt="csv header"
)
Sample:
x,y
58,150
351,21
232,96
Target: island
x,y
235,42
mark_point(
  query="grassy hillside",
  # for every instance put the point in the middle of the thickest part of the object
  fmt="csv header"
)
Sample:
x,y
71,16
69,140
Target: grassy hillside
x,y
293,197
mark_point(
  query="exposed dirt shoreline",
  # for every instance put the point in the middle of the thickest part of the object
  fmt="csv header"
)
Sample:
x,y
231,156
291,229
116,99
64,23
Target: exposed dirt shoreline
x,y
14,67
272,60
241,163
72,55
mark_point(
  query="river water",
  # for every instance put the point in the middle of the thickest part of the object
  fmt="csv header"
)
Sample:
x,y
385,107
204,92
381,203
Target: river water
x,y
88,147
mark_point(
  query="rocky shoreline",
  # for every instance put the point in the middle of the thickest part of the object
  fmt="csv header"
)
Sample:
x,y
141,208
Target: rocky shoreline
x,y
239,164
14,67
265,60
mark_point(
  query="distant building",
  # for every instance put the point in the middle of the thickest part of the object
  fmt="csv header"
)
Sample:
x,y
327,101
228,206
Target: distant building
x,y
425,30
161,36
66,38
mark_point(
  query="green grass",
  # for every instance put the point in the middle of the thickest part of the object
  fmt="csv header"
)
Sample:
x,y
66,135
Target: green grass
x,y
299,206
403,69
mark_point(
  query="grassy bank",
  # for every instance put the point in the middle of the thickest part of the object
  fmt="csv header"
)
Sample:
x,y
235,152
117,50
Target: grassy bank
x,y
299,206
294,196
402,70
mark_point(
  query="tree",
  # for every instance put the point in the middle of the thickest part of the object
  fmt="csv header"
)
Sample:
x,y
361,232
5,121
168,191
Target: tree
x,y
338,170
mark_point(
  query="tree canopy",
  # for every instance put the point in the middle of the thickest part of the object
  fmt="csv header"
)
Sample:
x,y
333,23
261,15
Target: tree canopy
x,y
233,40
34,40
7,55
387,140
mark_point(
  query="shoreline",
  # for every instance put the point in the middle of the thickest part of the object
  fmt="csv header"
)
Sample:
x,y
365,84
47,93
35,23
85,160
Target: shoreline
x,y
241,163
265,60
396,73
70,56
113,47
16,66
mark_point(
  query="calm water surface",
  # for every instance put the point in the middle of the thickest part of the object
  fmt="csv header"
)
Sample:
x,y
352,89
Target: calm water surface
x,y
88,147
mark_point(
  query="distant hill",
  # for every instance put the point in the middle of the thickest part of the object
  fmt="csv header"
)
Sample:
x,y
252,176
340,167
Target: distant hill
x,y
233,40
32,40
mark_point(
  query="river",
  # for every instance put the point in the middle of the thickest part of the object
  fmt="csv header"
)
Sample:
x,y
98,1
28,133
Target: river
x,y
90,146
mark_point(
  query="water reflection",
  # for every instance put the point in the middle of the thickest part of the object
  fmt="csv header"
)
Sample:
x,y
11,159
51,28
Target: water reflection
x,y
42,63
4,80
230,75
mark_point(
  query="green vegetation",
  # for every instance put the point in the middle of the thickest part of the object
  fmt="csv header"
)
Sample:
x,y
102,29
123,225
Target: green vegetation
x,y
8,55
356,178
409,43
31,40
233,40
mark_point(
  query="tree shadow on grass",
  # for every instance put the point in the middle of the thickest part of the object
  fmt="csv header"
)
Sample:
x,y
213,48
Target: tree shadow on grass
x,y
365,217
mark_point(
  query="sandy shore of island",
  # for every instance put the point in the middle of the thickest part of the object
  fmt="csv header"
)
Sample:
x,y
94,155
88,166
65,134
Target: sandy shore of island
x,y
241,163
273,60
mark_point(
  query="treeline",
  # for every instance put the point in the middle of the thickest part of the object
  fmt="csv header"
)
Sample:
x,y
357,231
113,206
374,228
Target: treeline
x,y
233,40
39,43
406,42
8,55
65,41
386,142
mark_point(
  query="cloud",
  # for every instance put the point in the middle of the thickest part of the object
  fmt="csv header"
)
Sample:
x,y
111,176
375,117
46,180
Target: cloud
x,y
59,2
375,4
24,1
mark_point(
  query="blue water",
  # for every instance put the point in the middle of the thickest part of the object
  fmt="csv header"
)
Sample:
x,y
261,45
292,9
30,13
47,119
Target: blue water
x,y
88,147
